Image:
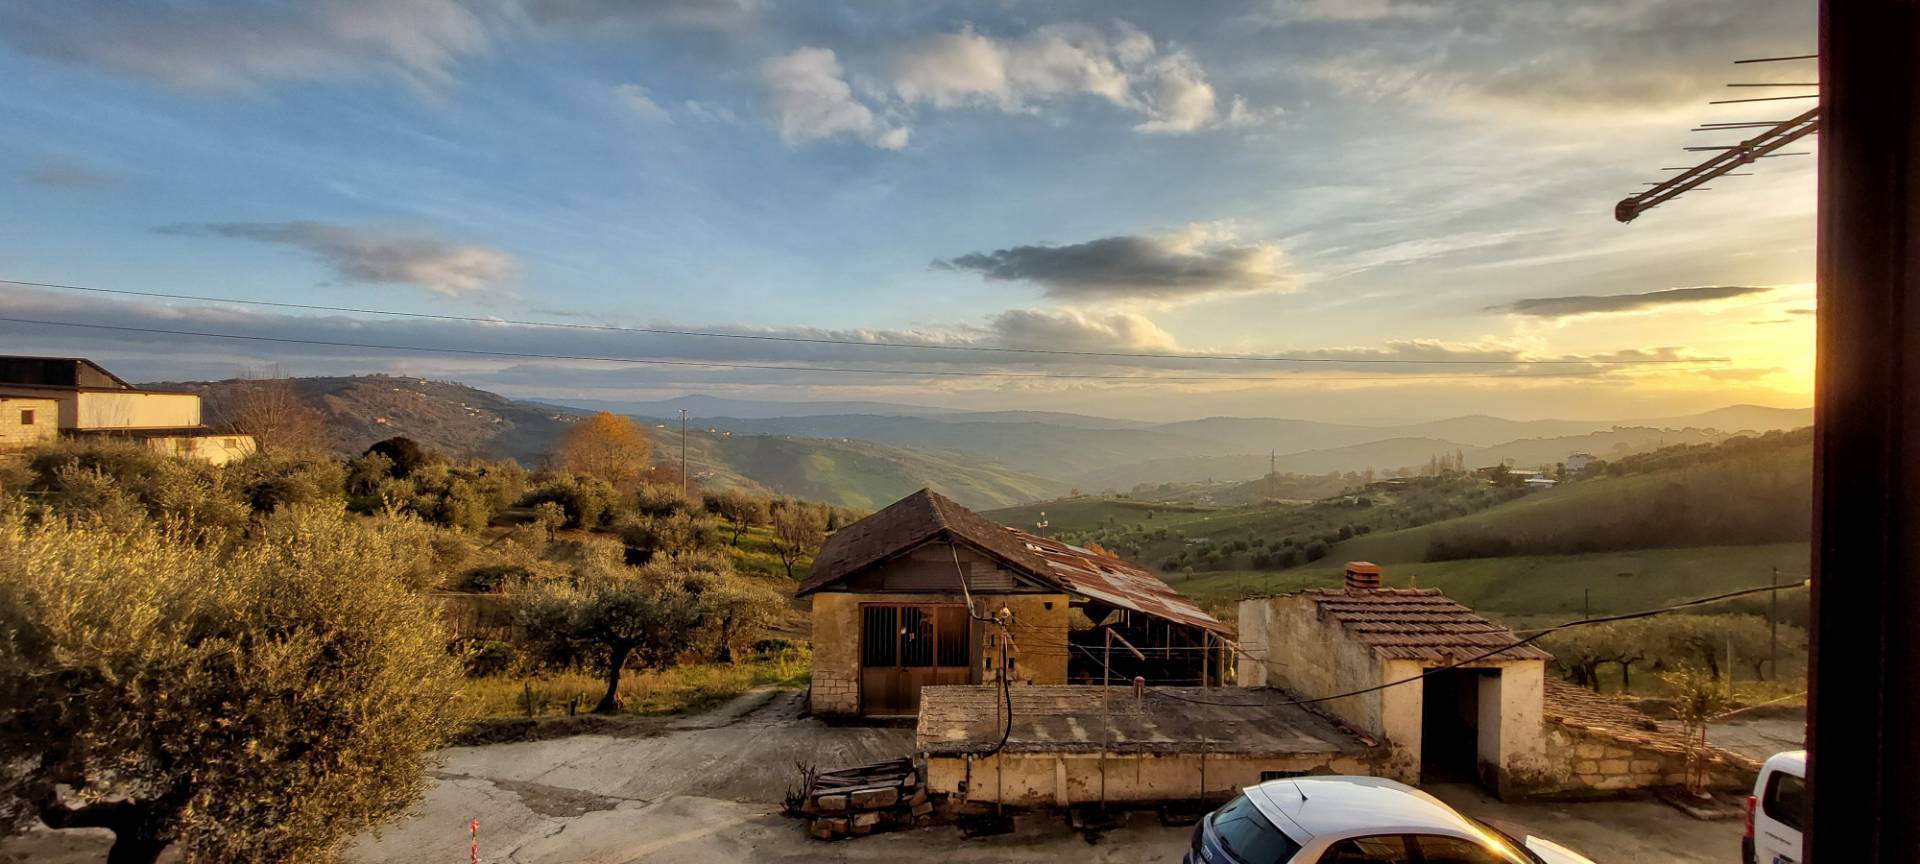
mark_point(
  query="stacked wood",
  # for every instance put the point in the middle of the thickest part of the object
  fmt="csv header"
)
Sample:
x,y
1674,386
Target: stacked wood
x,y
865,799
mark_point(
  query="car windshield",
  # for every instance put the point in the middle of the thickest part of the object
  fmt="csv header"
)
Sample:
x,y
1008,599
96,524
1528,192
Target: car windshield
x,y
1248,836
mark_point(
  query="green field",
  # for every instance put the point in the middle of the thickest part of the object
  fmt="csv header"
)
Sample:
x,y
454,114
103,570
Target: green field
x,y
1538,589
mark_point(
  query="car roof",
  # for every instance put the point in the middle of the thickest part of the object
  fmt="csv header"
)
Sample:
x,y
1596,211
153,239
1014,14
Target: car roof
x,y
1355,806
1791,761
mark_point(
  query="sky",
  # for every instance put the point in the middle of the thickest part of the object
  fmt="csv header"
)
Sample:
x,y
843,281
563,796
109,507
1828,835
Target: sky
x,y
1341,182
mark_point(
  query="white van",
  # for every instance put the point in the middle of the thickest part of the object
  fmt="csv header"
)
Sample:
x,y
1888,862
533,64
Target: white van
x,y
1777,811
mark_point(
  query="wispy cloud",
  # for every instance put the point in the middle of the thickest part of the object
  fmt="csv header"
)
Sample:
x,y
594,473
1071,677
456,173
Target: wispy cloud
x,y
62,173
362,254
1200,260
695,14
238,46
1562,307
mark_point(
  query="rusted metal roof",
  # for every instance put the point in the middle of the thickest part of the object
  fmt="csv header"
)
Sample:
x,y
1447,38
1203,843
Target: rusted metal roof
x,y
1418,624
927,515
1117,582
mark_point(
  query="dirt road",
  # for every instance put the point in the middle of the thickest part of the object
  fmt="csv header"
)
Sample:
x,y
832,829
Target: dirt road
x,y
708,788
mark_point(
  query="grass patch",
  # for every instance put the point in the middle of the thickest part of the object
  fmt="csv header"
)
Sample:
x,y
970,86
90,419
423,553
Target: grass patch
x,y
681,689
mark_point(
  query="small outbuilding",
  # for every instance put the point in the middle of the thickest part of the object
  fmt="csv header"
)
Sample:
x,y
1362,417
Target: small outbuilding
x,y
1480,721
889,596
1451,696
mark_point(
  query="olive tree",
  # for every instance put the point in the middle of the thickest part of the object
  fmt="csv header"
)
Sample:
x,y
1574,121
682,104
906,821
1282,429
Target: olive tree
x,y
646,616
257,700
798,531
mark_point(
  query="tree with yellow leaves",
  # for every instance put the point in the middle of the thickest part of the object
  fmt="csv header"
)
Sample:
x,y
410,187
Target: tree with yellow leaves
x,y
606,445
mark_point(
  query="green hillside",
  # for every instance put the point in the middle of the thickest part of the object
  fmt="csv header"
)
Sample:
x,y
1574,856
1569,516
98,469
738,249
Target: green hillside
x,y
1540,589
844,472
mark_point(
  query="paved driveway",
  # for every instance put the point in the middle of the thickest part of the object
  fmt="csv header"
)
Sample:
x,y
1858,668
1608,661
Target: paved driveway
x,y
709,788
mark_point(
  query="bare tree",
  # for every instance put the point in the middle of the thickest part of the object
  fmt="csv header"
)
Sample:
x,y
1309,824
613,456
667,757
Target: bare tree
x,y
271,410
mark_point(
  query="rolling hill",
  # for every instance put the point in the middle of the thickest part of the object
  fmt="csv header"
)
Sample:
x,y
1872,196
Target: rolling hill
x,y
471,423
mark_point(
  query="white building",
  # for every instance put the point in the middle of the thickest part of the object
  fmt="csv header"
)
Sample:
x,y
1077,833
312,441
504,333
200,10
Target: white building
x,y
79,398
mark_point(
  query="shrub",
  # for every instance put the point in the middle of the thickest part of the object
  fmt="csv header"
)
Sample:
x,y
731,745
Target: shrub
x,y
490,657
252,701
1316,550
587,501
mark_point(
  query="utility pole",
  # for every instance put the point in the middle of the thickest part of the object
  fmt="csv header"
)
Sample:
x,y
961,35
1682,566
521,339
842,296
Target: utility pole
x,y
1586,603
683,452
1773,628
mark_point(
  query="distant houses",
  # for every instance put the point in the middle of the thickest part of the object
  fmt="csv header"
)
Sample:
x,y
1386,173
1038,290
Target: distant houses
x,y
44,398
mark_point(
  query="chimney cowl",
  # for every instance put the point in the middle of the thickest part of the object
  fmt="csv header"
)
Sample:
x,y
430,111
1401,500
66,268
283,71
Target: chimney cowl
x,y
1362,576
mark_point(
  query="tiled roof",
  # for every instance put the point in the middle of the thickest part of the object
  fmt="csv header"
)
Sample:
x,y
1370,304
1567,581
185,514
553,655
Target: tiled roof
x,y
907,523
1584,710
1418,624
925,515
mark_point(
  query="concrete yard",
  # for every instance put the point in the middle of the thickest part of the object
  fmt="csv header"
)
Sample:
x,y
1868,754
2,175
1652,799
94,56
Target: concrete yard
x,y
708,788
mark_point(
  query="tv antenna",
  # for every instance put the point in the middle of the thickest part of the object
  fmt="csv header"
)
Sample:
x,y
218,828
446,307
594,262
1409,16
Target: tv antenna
x,y
1768,143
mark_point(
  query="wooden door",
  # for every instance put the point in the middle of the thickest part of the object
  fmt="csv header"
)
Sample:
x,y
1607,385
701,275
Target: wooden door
x,y
906,647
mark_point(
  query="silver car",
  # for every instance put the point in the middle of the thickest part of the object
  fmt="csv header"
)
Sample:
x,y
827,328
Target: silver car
x,y
1356,820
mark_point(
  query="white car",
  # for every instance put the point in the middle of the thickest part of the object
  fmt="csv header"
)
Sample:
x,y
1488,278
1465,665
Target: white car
x,y
1355,820
1777,811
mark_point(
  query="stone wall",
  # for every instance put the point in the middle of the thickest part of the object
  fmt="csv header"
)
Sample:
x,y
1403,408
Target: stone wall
x,y
1038,651
45,426
1596,745
1067,779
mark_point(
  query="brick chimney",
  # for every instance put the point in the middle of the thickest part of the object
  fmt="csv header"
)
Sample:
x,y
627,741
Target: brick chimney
x,y
1362,576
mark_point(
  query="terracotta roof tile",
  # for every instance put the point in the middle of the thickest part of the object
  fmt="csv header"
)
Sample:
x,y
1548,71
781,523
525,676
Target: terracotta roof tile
x,y
1418,624
1581,709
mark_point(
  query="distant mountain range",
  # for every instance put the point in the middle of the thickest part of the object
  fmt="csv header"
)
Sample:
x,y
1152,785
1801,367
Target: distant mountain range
x,y
866,454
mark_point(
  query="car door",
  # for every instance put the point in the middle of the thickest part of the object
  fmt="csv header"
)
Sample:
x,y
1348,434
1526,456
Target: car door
x,y
1780,820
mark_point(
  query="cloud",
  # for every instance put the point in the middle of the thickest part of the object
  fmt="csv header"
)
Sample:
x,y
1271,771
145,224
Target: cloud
x,y
1572,56
811,100
1124,67
1194,262
62,173
634,101
238,46
369,255
1284,11
685,14
1562,307
1072,330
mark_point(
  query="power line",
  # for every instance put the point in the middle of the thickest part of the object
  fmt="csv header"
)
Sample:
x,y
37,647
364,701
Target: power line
x,y
1537,635
480,352
821,340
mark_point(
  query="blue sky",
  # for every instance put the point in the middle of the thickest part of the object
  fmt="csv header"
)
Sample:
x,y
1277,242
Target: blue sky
x,y
1351,179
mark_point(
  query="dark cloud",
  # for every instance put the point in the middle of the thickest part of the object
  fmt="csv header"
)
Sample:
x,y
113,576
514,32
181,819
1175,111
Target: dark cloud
x,y
1180,266
1561,307
170,356
362,254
